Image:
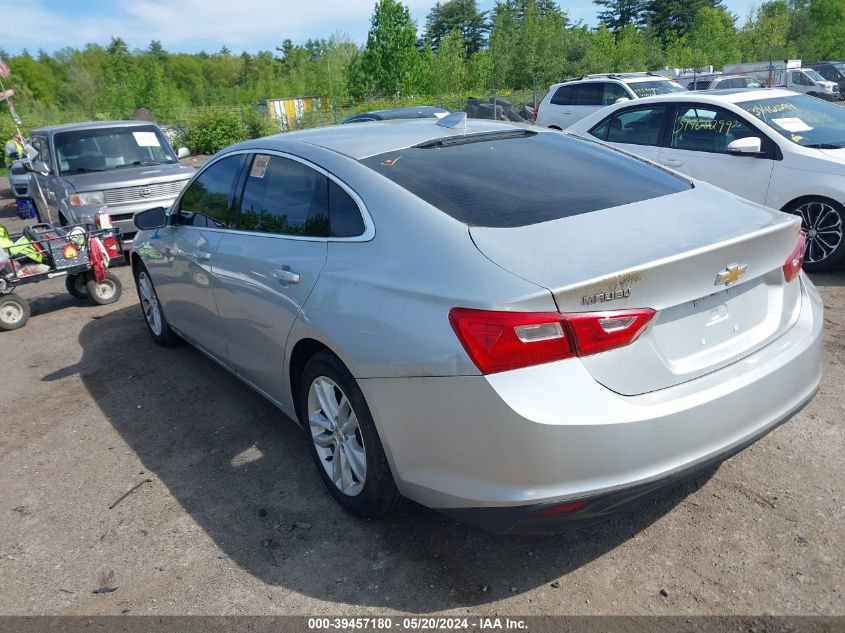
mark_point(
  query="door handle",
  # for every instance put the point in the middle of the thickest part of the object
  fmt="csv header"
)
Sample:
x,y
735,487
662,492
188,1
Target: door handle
x,y
671,162
286,275
204,256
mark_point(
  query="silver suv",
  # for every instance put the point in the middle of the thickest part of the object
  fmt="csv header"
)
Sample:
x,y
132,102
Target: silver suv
x,y
572,100
124,166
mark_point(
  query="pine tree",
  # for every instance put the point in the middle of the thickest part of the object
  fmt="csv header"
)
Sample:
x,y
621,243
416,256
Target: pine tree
x,y
617,14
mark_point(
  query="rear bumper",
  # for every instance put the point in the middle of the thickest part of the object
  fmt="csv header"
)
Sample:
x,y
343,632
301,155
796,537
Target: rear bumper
x,y
492,450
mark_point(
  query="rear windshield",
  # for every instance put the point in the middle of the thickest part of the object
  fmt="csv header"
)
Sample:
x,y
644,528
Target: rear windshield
x,y
521,178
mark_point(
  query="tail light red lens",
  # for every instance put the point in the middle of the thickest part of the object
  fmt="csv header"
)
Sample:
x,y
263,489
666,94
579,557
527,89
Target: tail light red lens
x,y
500,341
796,258
601,331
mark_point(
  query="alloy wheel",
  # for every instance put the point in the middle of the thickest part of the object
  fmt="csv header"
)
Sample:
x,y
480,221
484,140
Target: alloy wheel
x,y
149,303
337,436
823,226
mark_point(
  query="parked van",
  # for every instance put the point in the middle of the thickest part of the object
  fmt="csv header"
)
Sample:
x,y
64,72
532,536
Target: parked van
x,y
832,71
122,166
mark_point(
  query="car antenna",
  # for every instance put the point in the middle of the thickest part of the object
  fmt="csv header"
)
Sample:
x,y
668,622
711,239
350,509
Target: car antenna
x,y
455,121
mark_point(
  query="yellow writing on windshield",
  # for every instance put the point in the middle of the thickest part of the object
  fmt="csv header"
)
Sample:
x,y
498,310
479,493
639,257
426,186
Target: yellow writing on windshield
x,y
760,109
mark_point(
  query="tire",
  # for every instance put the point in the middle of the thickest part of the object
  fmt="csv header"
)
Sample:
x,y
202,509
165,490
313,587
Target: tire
x,y
824,222
77,286
154,317
106,292
368,489
14,312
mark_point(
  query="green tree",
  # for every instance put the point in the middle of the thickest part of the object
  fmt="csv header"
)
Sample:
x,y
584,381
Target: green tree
x,y
712,38
391,55
616,14
675,15
116,94
448,66
463,15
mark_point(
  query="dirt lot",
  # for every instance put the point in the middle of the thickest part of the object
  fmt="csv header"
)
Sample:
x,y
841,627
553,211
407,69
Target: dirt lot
x,y
91,407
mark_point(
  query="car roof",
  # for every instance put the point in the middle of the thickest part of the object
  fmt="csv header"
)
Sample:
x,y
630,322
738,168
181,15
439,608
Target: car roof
x,y
88,125
729,95
378,137
629,78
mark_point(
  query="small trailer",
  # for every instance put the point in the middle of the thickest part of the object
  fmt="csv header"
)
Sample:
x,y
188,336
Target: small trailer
x,y
45,251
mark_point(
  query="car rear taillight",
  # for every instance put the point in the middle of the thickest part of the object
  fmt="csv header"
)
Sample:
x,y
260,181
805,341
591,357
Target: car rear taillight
x,y
112,248
796,258
500,341
537,106
600,331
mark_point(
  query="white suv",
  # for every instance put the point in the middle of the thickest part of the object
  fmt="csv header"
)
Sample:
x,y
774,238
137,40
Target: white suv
x,y
572,100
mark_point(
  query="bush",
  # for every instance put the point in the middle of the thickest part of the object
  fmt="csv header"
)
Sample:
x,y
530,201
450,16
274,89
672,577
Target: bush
x,y
210,132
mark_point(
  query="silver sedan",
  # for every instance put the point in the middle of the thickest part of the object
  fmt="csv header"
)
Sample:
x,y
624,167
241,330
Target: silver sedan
x,y
513,326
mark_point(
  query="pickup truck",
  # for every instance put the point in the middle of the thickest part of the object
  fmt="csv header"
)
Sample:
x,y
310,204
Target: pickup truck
x,y
121,166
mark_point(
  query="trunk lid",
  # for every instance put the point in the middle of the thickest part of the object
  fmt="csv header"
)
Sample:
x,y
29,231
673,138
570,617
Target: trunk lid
x,y
666,254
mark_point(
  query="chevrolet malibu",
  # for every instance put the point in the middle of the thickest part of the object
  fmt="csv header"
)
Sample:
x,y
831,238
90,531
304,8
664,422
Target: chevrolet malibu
x,y
513,326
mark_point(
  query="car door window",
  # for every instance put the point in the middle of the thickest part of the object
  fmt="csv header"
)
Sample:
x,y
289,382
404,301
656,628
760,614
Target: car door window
x,y
565,95
638,126
207,202
590,94
708,129
612,92
39,144
285,197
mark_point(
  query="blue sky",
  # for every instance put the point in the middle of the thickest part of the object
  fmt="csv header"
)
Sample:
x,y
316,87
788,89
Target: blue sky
x,y
193,25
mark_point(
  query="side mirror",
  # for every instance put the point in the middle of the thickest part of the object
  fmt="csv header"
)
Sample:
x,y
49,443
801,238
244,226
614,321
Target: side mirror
x,y
38,167
622,100
748,146
151,218
182,152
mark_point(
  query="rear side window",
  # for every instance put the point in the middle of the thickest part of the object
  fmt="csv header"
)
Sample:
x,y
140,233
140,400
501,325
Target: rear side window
x,y
518,178
590,94
565,95
344,215
207,200
286,197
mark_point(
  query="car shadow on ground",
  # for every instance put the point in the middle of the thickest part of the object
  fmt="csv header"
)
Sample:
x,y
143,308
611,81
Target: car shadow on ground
x,y
242,471
827,280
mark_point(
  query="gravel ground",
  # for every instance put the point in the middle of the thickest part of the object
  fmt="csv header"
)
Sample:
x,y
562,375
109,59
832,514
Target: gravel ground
x,y
231,518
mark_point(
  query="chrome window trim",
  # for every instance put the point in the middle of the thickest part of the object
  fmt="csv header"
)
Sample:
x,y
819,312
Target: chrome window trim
x,y
369,227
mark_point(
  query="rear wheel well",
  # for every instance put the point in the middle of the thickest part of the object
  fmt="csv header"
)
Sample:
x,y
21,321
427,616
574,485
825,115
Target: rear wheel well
x,y
302,352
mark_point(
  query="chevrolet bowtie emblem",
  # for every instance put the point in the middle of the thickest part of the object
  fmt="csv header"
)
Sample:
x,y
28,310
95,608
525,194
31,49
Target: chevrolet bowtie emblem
x,y
731,274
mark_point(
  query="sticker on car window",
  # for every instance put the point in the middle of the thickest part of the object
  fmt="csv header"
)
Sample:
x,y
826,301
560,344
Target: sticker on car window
x,y
792,124
259,166
146,139
389,162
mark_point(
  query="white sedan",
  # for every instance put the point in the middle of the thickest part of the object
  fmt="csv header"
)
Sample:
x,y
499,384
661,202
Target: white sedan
x,y
771,146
